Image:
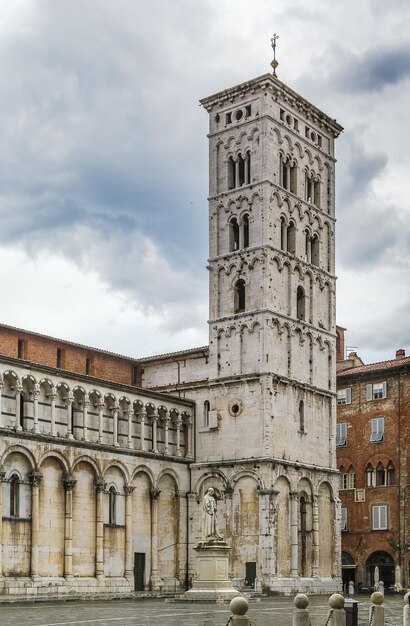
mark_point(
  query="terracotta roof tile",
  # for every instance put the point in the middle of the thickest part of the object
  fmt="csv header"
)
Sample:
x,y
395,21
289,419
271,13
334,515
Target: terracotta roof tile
x,y
381,366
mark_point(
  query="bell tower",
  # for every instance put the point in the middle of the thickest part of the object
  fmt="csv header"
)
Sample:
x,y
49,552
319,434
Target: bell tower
x,y
271,263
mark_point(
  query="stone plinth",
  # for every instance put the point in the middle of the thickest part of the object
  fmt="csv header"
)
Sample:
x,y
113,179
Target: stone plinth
x,y
212,582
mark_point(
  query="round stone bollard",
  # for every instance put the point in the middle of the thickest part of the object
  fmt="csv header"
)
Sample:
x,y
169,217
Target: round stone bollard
x,y
406,610
301,611
239,607
336,615
376,614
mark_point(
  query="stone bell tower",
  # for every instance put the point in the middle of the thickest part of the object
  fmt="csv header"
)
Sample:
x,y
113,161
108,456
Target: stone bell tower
x,y
272,328
271,263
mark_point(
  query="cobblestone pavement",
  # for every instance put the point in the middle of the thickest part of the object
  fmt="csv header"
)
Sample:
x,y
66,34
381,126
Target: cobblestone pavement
x,y
268,612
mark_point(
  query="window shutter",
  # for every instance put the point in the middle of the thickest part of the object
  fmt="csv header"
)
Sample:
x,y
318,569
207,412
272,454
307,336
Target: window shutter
x,y
383,517
385,389
349,395
344,518
375,521
369,392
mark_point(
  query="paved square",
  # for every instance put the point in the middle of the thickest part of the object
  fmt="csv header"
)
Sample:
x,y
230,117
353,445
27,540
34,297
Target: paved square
x,y
267,612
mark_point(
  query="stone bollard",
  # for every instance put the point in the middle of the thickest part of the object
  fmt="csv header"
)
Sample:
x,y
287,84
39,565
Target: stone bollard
x,y
351,588
376,614
301,611
239,606
406,610
336,615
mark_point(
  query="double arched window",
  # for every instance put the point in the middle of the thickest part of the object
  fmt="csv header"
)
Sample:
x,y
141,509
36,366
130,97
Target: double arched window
x,y
239,233
381,475
239,170
287,236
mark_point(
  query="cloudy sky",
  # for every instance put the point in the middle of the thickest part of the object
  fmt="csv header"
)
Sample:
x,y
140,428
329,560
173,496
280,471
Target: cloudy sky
x,y
103,159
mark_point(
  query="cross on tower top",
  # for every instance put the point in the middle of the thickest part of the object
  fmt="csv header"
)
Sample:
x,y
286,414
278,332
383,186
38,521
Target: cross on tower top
x,y
274,63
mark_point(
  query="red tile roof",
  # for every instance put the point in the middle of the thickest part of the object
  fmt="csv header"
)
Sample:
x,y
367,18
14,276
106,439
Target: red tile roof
x,y
381,366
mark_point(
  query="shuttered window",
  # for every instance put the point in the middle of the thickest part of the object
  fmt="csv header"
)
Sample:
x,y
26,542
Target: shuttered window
x,y
376,391
380,516
377,429
341,434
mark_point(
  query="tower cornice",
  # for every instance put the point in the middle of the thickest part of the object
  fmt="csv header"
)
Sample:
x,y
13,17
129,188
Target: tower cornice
x,y
281,92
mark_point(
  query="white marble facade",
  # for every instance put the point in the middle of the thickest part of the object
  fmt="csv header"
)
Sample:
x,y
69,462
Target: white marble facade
x,y
104,472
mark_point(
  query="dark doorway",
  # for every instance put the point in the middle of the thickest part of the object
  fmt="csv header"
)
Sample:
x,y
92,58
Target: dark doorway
x,y
139,570
250,573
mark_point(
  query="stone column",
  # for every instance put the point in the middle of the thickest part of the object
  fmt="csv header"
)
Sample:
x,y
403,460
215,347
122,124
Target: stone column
x,y
100,487
69,405
315,538
36,393
86,404
2,477
267,558
154,538
35,478
167,420
101,406
69,484
178,425
154,418
115,410
19,389
53,396
294,545
130,413
247,170
142,415
188,442
128,573
337,540
237,172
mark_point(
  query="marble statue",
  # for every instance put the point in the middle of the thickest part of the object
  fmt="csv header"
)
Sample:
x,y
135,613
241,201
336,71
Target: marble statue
x,y
209,516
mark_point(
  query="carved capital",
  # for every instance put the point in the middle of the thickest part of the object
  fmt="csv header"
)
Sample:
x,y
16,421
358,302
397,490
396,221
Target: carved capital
x,y
100,485
268,492
154,493
2,475
128,489
35,478
229,489
36,391
69,484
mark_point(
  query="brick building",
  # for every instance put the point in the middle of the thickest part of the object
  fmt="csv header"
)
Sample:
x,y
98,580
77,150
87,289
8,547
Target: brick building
x,y
373,436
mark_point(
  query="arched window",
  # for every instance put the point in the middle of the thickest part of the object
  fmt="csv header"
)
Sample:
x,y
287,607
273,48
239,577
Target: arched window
x,y
22,407
231,173
241,171
300,303
380,475
315,251
240,296
14,496
245,226
291,238
370,476
301,416
390,477
112,497
206,412
233,235
288,174
248,168
283,234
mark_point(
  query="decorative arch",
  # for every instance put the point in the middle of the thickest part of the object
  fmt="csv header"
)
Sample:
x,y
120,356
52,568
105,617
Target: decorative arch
x,y
55,454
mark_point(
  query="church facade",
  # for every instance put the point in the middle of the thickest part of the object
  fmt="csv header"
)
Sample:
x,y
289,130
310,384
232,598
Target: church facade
x,y
104,460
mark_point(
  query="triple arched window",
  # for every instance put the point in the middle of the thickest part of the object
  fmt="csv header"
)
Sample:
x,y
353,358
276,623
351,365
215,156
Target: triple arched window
x,y
381,475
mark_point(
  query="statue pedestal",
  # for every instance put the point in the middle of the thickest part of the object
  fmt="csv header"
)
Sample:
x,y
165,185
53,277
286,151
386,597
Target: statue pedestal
x,y
212,582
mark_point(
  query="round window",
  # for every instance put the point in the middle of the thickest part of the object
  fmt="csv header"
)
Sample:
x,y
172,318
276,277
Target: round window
x,y
235,408
238,114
